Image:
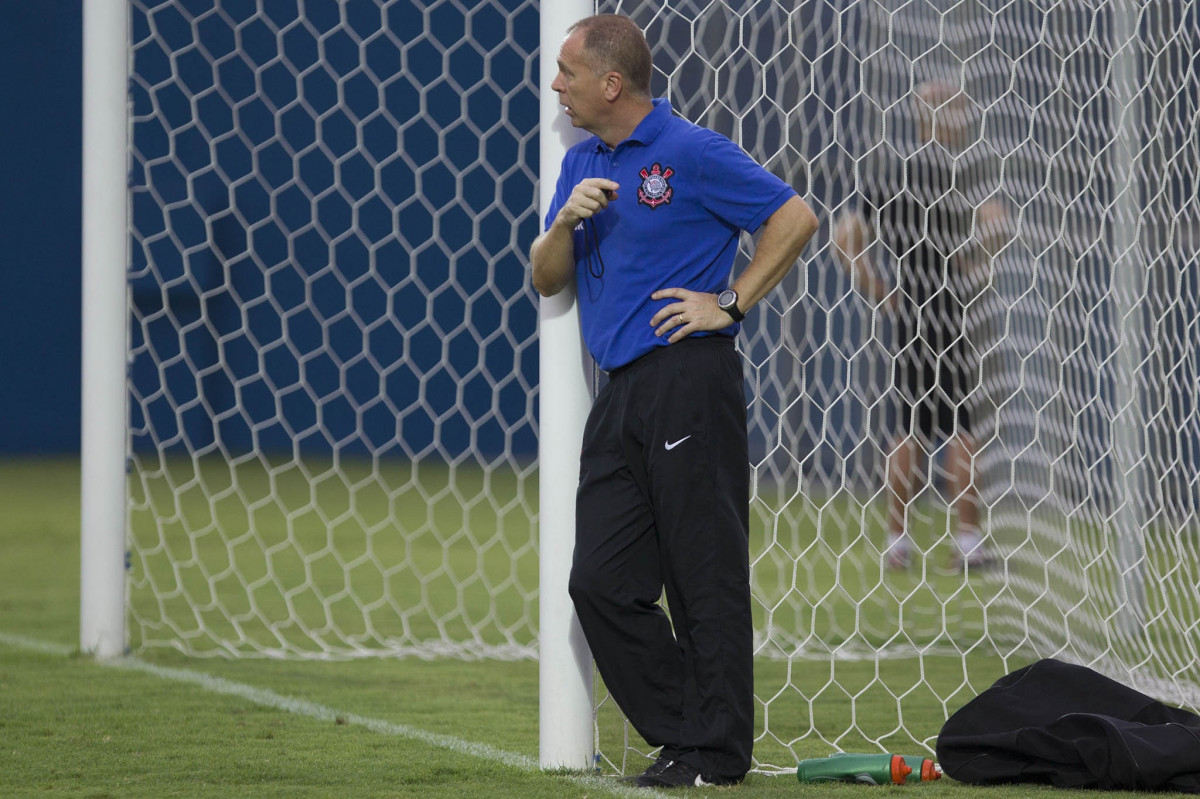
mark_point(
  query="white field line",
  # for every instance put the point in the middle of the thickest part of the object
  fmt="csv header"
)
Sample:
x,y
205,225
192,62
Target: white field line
x,y
303,707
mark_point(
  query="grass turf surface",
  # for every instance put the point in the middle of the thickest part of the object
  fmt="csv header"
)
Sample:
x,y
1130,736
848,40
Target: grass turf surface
x,y
169,725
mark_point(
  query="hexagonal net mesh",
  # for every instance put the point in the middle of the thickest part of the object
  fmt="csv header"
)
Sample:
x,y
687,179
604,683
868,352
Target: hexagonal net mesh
x,y
333,346
1006,190
333,352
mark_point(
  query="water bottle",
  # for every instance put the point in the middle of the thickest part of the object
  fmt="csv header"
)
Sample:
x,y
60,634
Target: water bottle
x,y
869,769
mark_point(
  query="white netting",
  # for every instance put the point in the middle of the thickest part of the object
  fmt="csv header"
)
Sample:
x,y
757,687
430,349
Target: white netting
x,y
1082,130
332,345
334,355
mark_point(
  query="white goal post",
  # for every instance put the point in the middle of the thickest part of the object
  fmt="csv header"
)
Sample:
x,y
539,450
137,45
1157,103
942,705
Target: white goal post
x,y
327,417
105,319
565,665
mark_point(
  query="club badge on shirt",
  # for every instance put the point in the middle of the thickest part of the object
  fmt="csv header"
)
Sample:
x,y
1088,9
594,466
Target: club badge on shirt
x,y
655,190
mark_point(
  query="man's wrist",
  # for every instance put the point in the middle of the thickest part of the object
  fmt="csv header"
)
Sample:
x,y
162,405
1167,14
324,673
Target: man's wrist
x,y
727,301
564,222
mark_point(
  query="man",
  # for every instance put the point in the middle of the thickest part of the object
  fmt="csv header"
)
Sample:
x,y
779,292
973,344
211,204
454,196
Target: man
x,y
646,221
928,212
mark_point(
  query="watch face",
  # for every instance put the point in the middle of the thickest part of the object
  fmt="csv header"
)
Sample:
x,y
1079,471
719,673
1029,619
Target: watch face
x,y
727,302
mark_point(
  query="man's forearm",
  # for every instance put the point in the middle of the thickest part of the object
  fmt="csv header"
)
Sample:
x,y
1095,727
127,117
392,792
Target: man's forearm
x,y
784,237
552,259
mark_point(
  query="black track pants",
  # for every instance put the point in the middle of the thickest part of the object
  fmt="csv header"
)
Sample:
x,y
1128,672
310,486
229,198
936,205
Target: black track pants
x,y
663,504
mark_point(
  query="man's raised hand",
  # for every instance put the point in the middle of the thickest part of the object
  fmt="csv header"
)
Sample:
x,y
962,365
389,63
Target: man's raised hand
x,y
590,197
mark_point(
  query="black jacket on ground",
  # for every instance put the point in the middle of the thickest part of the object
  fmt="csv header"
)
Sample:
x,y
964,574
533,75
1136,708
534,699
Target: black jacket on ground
x,y
1059,724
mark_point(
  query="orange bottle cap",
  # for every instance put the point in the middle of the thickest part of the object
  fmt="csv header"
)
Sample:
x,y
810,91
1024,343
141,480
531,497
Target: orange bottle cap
x,y
900,770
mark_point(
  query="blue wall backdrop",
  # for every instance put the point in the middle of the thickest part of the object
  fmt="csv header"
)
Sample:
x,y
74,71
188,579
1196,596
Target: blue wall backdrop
x,y
230,259
330,216
40,141
469,400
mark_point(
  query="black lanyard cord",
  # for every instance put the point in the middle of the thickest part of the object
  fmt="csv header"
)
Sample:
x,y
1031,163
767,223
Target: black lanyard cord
x,y
589,226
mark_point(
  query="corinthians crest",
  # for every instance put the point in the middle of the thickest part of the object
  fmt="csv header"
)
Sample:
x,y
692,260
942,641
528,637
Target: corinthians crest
x,y
655,190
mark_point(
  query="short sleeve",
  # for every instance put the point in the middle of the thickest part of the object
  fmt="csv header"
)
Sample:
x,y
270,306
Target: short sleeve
x,y
737,189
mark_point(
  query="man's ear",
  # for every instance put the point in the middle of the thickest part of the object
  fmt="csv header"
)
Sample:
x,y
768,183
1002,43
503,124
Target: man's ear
x,y
613,85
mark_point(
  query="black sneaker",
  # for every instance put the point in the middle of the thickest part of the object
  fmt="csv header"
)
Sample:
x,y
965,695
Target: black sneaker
x,y
677,774
655,768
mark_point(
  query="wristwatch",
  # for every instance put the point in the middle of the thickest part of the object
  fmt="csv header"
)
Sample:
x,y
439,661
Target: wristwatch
x,y
727,302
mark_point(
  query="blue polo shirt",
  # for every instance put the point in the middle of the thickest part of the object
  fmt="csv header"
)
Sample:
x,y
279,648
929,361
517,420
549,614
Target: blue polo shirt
x,y
686,195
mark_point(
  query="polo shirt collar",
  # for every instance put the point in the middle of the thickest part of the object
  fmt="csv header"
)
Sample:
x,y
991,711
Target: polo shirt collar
x,y
650,126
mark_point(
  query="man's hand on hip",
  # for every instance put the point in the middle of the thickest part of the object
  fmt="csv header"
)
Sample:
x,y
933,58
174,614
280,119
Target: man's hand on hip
x,y
692,312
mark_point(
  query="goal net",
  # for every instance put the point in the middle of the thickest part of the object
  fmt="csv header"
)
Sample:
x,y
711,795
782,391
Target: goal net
x,y
333,345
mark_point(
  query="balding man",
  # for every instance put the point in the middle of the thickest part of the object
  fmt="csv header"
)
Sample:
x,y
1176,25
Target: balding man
x,y
646,221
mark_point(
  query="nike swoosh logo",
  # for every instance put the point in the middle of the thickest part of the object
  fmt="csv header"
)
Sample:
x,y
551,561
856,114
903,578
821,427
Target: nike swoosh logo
x,y
672,445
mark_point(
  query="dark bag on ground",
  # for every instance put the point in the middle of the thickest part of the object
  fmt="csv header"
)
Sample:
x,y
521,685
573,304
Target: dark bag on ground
x,y
1058,724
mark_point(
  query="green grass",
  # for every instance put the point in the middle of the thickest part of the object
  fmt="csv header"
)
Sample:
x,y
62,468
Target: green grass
x,y
317,559
167,724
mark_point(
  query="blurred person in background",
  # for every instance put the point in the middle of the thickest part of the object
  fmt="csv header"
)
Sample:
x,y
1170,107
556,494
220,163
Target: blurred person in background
x,y
918,246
